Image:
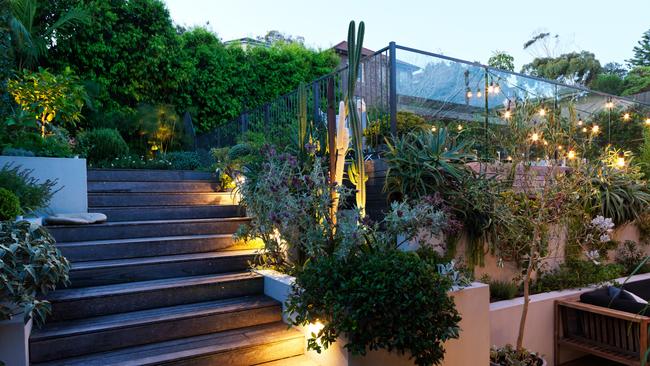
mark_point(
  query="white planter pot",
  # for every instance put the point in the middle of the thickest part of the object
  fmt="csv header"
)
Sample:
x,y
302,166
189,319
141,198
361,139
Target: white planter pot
x,y
14,348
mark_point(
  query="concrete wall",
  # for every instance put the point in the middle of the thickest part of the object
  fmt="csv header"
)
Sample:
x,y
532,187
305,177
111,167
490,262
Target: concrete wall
x,y
471,302
14,341
539,332
71,176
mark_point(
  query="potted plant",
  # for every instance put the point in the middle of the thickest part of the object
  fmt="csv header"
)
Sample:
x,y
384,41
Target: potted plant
x,y
31,266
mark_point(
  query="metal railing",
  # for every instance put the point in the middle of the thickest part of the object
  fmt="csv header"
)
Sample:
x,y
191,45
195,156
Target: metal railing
x,y
438,88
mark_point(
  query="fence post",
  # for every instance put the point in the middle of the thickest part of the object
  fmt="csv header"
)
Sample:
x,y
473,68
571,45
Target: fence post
x,y
331,127
392,90
316,96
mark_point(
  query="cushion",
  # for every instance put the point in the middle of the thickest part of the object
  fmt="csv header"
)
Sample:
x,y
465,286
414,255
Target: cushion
x,y
639,288
623,301
634,297
75,219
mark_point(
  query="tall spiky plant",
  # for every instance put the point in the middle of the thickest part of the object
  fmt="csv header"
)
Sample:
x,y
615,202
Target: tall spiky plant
x,y
357,172
302,117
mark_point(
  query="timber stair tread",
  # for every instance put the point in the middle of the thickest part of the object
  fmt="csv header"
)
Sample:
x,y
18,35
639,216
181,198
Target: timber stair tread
x,y
70,244
136,318
145,286
113,263
149,222
233,347
301,360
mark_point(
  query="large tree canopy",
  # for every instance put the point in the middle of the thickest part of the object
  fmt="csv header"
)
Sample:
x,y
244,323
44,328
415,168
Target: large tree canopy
x,y
133,54
642,51
573,68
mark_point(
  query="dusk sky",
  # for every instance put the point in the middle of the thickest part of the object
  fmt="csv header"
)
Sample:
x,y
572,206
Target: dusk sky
x,y
465,29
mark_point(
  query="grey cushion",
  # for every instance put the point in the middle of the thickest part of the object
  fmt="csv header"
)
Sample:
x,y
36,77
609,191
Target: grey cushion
x,y
76,219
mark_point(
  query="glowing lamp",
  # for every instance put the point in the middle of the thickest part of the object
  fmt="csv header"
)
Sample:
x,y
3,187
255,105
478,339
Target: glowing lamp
x,y
620,162
534,137
571,155
626,117
433,129
647,121
584,129
460,127
542,112
507,114
559,147
595,129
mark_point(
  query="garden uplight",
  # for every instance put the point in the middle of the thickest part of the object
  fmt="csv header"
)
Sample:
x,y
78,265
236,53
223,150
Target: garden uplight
x,y
620,162
460,127
626,117
559,147
647,121
534,137
584,129
542,112
433,129
507,114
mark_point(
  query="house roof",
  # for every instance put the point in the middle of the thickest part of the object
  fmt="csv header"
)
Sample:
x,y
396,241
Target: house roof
x,y
342,48
247,41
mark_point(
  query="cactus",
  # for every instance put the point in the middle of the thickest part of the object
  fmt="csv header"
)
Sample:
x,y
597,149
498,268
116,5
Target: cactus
x,y
354,55
302,118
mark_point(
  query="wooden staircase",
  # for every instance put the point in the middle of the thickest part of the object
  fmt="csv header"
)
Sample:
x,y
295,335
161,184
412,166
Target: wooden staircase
x,y
162,282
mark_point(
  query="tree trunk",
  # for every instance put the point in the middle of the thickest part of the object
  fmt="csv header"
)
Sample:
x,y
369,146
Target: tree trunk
x,y
524,310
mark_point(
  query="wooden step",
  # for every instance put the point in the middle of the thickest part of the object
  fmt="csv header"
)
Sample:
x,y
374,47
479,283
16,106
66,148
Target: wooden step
x,y
301,360
240,347
77,303
99,200
148,247
140,213
142,175
145,229
181,186
105,333
106,272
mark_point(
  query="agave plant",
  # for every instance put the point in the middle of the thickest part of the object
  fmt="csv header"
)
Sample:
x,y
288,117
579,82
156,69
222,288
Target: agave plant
x,y
421,163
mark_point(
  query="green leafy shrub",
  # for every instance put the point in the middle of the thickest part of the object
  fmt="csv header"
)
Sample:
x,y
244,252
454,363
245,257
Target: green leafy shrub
x,y
577,273
9,205
32,266
101,145
55,144
183,160
407,122
10,151
378,299
32,194
629,255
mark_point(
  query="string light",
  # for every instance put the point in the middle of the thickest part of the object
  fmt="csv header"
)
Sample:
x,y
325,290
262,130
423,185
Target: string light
x,y
478,92
542,112
580,121
545,143
534,137
626,117
497,88
507,114
595,129
559,147
584,129
433,129
647,121
609,104
571,155
460,127
469,93
491,88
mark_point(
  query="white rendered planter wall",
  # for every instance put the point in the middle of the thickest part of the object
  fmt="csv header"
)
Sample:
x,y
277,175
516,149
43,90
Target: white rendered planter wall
x,y
472,348
71,176
14,341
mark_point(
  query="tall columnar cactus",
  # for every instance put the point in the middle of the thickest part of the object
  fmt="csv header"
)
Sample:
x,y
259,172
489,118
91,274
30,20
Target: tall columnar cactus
x,y
340,147
358,172
302,117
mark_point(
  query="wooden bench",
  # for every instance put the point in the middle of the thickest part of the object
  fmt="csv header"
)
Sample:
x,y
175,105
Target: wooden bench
x,y
612,334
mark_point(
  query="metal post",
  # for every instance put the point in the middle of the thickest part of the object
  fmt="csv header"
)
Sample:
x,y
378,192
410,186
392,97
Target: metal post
x,y
487,117
331,127
392,94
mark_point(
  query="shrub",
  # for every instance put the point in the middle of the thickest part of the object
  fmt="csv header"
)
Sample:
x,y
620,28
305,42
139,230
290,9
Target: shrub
x,y
502,290
380,299
509,356
377,131
629,255
577,273
32,266
183,160
9,205
31,193
10,151
101,145
55,144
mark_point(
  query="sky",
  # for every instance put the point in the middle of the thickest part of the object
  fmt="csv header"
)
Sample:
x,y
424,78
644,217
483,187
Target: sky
x,y
465,29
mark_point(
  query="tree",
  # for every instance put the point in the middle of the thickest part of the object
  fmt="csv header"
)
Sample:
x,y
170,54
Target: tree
x,y
33,35
502,60
6,57
642,51
615,68
608,83
573,68
48,97
637,81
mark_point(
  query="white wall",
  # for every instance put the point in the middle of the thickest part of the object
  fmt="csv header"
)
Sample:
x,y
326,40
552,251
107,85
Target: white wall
x,y
471,302
71,175
540,322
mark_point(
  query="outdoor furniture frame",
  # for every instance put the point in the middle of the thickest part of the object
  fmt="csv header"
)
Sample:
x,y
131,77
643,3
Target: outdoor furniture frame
x,y
612,334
